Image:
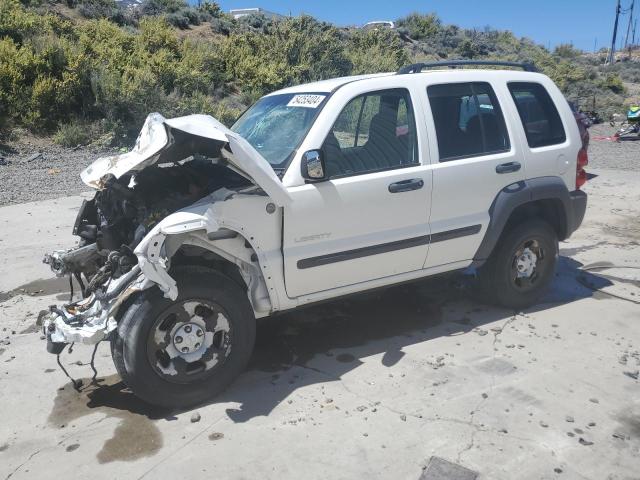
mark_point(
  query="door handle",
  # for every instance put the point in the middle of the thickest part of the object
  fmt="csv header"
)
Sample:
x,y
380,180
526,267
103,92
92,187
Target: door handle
x,y
406,185
508,167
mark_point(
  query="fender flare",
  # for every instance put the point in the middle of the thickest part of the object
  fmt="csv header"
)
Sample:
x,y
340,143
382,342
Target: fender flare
x,y
526,191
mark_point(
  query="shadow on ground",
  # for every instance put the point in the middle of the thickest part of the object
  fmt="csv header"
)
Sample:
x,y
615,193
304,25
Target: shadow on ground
x,y
322,343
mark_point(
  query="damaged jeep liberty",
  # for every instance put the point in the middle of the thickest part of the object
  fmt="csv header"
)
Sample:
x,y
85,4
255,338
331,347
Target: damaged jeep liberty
x,y
318,191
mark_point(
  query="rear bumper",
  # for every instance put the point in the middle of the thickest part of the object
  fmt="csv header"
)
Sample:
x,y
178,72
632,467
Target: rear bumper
x,y
576,209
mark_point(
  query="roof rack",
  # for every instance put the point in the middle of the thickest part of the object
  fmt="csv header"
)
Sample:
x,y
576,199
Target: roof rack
x,y
417,67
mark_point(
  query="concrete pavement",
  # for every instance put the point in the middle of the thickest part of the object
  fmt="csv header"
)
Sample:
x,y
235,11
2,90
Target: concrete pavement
x,y
370,387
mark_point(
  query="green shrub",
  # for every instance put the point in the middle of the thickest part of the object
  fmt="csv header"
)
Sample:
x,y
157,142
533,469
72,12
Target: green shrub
x,y
566,50
223,25
72,134
177,19
212,9
199,102
374,51
613,82
159,7
201,68
119,65
419,26
295,50
97,8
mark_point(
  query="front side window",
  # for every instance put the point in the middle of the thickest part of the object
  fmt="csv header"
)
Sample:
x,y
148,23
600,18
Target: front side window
x,y
375,131
468,120
539,115
276,124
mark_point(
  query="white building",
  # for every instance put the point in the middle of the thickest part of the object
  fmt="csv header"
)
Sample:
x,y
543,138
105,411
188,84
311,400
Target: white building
x,y
243,12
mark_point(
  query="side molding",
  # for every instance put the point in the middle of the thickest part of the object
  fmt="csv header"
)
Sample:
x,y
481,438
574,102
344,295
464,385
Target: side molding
x,y
387,247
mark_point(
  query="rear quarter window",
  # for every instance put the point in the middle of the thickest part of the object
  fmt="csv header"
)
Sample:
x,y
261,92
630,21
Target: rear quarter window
x,y
538,113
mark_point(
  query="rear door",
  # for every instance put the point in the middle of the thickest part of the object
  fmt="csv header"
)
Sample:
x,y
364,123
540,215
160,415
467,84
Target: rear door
x,y
476,157
370,219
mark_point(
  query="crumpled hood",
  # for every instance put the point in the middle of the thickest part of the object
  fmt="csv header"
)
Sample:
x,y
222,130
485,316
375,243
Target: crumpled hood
x,y
160,135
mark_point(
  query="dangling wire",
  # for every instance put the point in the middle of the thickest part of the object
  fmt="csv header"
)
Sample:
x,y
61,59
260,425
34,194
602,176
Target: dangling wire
x,y
77,384
91,364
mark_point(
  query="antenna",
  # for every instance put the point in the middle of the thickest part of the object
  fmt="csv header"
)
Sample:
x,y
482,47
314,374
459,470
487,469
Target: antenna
x,y
612,51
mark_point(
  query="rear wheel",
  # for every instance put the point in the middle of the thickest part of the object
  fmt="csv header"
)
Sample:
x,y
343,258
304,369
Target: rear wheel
x,y
180,353
522,265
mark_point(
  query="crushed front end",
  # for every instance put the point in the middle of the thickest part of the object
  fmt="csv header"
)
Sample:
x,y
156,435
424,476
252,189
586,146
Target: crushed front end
x,y
172,166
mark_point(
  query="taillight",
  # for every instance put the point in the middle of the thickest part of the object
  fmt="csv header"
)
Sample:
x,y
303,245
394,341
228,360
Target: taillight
x,y
583,161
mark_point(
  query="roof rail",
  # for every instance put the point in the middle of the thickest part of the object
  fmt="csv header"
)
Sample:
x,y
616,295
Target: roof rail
x,y
417,67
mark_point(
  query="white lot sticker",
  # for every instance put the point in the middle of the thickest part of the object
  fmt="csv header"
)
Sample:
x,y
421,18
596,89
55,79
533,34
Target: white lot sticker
x,y
307,101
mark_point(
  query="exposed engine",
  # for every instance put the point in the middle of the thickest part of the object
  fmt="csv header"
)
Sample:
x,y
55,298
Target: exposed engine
x,y
112,224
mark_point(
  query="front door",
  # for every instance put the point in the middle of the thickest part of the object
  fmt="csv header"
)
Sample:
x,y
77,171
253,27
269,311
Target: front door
x,y
370,218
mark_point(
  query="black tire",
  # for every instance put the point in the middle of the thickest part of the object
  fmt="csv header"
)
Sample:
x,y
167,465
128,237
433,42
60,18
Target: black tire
x,y
129,347
498,284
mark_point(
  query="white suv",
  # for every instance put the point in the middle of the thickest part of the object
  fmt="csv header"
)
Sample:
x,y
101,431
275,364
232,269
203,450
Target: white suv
x,y
318,191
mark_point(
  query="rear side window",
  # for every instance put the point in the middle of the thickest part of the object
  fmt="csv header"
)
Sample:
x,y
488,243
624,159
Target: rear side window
x,y
539,115
468,120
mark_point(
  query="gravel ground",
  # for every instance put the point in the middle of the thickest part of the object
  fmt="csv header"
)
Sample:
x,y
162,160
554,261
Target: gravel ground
x,y
603,153
38,170
56,170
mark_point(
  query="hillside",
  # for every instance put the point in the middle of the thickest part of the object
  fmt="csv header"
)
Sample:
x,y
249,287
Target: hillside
x,y
90,71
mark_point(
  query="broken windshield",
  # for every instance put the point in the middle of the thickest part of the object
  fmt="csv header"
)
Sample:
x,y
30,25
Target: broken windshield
x,y
275,125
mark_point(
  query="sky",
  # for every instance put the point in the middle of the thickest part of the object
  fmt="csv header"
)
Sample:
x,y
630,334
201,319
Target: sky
x,y
548,22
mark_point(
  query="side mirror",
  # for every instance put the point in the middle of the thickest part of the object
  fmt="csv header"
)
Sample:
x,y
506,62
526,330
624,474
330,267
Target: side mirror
x,y
312,166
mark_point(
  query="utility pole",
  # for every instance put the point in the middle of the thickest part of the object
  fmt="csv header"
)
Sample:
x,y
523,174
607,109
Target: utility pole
x,y
626,39
612,51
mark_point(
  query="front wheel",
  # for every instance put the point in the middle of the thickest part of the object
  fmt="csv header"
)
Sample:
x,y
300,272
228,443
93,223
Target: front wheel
x,y
180,353
522,265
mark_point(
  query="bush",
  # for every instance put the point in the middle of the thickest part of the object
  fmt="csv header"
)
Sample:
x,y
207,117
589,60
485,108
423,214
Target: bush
x,y
223,110
419,26
212,9
566,50
613,82
177,19
159,7
223,25
97,8
296,50
374,51
72,134
254,23
54,71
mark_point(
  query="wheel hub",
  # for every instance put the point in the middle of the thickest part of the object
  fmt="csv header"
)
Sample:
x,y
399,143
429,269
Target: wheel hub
x,y
188,338
526,263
